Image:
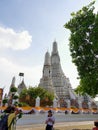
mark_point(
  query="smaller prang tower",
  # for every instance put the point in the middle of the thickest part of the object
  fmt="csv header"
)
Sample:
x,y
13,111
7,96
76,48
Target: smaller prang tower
x,y
53,78
11,86
46,80
21,86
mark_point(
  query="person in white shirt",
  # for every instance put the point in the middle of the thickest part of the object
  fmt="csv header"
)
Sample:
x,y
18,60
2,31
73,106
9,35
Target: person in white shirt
x,y
50,121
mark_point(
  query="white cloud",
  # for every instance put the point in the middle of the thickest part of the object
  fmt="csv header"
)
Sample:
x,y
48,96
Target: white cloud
x,y
14,40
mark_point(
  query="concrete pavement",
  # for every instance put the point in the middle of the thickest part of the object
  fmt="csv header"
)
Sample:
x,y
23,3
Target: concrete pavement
x,y
61,124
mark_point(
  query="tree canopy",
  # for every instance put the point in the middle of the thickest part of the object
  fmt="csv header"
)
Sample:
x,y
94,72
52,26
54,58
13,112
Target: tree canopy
x,y
29,95
83,45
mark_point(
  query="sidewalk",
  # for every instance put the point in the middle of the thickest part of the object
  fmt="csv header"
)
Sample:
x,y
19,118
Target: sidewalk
x,y
83,125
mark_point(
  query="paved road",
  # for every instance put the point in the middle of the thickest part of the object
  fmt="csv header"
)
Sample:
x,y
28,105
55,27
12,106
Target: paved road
x,y
59,117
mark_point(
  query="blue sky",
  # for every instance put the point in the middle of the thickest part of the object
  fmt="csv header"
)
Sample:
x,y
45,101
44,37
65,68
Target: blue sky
x,y
27,30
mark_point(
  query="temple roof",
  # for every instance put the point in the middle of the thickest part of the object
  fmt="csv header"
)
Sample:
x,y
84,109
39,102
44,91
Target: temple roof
x,y
47,59
55,48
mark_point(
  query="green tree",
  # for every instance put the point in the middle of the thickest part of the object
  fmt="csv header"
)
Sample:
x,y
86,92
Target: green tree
x,y
13,89
23,93
29,95
23,96
84,47
5,100
15,97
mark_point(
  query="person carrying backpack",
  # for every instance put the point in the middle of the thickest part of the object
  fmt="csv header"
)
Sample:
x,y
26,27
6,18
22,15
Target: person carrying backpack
x,y
8,119
3,122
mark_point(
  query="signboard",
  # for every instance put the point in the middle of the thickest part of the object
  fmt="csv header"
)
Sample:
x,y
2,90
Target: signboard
x,y
21,74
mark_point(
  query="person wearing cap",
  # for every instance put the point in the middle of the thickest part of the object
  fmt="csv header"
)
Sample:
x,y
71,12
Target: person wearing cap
x,y
50,120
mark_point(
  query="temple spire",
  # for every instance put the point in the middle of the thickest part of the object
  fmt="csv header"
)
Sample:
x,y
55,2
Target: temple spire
x,y
12,85
47,59
55,48
13,81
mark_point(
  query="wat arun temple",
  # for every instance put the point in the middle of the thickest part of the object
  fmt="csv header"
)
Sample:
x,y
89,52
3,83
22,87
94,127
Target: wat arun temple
x,y
54,80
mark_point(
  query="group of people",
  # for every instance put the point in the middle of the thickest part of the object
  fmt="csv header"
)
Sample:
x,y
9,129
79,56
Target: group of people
x,y
14,113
